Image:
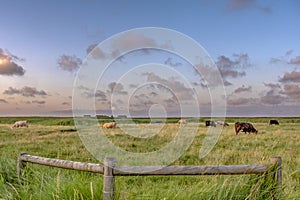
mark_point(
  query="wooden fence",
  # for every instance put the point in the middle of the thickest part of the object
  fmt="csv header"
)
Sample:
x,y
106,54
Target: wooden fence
x,y
110,170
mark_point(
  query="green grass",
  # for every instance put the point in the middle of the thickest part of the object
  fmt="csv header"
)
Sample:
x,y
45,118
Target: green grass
x,y
56,138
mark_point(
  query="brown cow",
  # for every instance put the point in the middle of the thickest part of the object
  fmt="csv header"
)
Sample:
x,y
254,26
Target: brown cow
x,y
109,125
245,127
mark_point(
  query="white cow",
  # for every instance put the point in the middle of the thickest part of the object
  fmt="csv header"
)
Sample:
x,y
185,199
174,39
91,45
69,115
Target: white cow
x,y
181,122
222,123
18,124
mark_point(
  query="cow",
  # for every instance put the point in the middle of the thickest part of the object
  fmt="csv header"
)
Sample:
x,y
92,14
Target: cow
x,y
274,121
109,125
18,124
222,123
245,127
210,123
181,122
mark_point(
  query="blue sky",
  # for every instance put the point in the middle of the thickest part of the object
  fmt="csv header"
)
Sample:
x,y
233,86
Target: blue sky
x,y
255,44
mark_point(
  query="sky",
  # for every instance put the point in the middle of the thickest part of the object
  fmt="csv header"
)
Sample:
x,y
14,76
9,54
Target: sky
x,y
52,55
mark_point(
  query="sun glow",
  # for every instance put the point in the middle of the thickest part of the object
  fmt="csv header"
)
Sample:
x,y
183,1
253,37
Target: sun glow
x,y
3,61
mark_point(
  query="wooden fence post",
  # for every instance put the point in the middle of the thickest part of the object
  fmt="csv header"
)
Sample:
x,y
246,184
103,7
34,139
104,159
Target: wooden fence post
x,y
108,178
277,161
20,165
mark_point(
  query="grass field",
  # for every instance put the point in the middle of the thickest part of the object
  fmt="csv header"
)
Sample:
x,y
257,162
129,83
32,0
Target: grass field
x,y
57,138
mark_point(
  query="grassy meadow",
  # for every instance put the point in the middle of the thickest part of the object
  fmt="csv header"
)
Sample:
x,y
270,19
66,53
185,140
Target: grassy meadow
x,y
57,138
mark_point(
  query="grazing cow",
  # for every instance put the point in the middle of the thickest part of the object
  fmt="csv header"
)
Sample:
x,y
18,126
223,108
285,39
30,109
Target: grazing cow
x,y
222,123
274,121
210,123
109,125
181,122
245,127
18,124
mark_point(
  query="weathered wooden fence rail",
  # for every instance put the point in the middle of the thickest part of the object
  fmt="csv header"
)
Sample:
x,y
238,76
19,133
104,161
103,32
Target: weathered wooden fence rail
x,y
110,170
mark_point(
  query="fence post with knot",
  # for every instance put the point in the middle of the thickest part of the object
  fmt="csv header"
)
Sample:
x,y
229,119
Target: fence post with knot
x,y
108,179
277,162
20,165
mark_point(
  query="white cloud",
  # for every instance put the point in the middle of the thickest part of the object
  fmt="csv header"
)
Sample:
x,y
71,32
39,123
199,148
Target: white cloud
x,y
8,65
69,63
25,91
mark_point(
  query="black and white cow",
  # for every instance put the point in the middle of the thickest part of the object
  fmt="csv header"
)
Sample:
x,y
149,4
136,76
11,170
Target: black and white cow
x,y
210,123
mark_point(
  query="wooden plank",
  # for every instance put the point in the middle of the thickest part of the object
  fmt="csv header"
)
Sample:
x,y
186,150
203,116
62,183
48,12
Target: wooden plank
x,y
190,170
148,170
66,164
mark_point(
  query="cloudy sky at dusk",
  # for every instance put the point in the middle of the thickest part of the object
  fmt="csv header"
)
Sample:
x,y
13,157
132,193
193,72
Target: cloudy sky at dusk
x,y
44,45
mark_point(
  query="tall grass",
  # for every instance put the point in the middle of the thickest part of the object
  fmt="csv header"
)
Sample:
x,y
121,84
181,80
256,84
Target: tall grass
x,y
45,137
